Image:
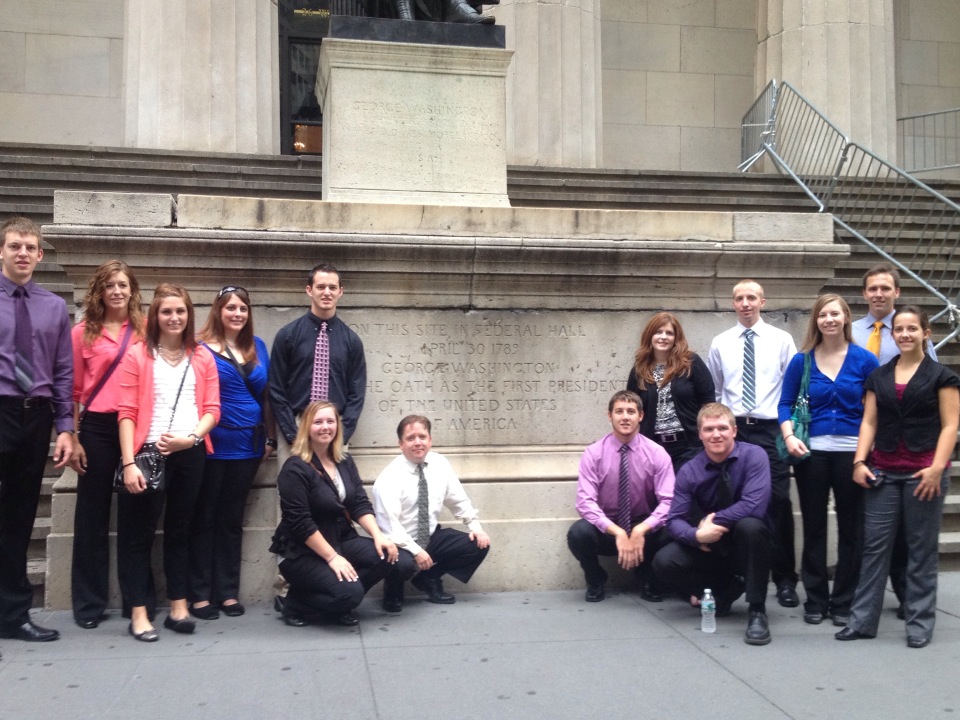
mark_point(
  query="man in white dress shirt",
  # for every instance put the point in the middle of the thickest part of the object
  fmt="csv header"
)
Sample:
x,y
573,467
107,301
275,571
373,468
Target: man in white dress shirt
x,y
747,363
411,519
881,289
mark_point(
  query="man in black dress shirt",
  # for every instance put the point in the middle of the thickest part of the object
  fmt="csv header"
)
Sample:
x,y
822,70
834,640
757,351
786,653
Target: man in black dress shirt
x,y
294,351
36,393
718,523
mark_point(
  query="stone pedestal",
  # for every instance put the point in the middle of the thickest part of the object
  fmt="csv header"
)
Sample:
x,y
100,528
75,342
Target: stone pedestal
x,y
840,55
509,327
413,123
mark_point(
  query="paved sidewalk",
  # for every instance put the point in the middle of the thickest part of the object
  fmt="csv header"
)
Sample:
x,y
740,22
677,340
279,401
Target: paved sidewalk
x,y
497,655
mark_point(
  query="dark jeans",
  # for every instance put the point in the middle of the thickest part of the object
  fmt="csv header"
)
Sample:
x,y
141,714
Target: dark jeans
x,y
783,563
90,576
216,534
816,477
316,591
745,550
137,517
587,543
24,446
884,506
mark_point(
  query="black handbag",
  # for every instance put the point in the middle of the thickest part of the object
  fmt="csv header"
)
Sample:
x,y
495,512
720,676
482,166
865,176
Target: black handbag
x,y
149,461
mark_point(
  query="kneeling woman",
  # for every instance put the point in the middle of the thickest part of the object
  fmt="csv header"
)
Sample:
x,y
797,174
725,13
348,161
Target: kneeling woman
x,y
170,396
328,565
907,436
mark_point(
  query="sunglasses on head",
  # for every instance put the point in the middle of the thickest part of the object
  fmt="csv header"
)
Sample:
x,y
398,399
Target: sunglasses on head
x,y
230,289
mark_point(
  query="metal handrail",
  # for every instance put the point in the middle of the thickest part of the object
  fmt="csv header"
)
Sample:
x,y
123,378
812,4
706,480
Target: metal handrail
x,y
929,142
909,224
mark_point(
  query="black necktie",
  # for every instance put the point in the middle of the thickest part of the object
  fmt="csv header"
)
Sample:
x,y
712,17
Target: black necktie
x,y
23,340
623,492
724,488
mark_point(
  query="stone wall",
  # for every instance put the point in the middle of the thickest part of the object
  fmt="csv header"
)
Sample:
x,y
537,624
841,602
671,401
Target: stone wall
x,y
510,327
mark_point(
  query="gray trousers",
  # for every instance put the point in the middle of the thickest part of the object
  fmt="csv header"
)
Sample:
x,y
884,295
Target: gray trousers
x,y
883,507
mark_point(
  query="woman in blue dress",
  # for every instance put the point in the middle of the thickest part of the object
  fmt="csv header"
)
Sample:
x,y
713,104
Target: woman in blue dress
x,y
245,436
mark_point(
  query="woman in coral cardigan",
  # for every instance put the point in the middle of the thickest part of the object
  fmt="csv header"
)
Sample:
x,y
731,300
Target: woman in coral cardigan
x,y
169,396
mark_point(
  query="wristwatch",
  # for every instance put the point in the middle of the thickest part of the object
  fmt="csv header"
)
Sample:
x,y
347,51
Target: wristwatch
x,y
271,443
196,439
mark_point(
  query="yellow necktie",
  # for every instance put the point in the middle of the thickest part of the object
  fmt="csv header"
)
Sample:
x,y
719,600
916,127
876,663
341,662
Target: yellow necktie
x,y
873,342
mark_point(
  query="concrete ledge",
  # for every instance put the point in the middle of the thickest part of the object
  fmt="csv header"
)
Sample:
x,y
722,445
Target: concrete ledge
x,y
108,208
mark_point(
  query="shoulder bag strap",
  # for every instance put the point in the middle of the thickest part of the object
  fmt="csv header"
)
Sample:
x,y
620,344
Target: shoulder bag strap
x,y
113,366
179,390
244,374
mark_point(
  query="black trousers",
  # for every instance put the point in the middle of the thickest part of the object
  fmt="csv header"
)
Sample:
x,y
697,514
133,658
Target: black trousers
x,y
587,543
745,550
817,476
24,446
90,575
783,563
315,590
137,518
216,534
453,553
680,450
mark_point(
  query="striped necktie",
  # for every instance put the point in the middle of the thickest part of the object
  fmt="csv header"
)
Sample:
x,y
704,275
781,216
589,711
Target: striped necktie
x,y
749,372
423,509
320,388
624,510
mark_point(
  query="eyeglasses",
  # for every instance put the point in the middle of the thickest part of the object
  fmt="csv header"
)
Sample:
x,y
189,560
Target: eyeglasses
x,y
230,289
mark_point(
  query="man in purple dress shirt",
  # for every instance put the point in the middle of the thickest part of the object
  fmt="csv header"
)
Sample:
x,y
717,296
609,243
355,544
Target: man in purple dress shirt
x,y
636,533
719,525
36,391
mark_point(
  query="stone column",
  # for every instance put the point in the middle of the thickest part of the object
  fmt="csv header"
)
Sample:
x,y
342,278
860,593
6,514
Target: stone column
x,y
554,110
202,75
839,54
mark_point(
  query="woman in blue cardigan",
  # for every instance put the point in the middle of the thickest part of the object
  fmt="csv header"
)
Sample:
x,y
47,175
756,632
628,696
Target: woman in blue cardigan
x,y
838,370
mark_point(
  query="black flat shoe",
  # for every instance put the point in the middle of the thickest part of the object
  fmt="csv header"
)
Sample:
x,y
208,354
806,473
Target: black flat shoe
x,y
150,635
207,612
787,595
347,619
595,593
917,641
184,626
88,623
848,633
28,632
233,610
392,604
813,617
294,620
649,593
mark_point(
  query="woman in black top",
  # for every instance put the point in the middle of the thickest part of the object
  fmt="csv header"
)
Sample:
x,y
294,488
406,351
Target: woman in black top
x,y
907,437
328,565
674,383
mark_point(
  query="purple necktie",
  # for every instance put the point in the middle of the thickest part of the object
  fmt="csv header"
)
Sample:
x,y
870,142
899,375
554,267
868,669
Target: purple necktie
x,y
624,514
320,388
23,339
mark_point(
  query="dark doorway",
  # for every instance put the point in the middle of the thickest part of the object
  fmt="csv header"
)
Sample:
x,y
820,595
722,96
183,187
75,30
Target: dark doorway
x,y
303,25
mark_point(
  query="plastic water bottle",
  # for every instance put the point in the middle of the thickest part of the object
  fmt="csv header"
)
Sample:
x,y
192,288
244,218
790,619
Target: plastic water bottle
x,y
708,612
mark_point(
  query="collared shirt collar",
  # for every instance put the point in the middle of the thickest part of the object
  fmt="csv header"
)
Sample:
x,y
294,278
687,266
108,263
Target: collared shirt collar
x,y
9,285
412,466
317,321
758,327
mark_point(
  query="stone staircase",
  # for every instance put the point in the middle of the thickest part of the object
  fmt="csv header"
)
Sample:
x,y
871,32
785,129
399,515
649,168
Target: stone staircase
x,y
29,175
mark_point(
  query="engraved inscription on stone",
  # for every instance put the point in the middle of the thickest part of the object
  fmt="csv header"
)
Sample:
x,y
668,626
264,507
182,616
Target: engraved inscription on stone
x,y
492,378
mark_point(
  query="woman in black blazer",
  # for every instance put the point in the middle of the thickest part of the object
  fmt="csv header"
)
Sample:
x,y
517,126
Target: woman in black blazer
x,y
328,565
909,429
673,383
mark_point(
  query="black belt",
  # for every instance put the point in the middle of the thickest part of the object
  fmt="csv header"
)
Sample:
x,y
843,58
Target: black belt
x,y
746,420
667,438
27,403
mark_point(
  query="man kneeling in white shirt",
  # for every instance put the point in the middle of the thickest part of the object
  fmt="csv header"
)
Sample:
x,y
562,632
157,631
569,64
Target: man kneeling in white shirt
x,y
408,496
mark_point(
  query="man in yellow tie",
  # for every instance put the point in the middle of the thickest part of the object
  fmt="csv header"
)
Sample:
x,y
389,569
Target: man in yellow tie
x,y
881,288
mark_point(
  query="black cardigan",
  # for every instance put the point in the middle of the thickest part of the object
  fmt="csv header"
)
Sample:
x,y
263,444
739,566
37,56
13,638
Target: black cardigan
x,y
308,502
916,418
690,393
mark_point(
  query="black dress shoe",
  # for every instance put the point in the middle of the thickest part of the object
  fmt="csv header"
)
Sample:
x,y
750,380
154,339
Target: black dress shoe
x,y
848,633
347,619
595,593
758,629
28,632
787,595
459,11
917,641
233,610
183,626
88,623
813,617
294,620
649,593
207,612
392,604
150,635
433,589
840,619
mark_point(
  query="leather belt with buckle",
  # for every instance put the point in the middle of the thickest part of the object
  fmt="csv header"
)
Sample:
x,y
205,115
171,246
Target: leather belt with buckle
x,y
669,437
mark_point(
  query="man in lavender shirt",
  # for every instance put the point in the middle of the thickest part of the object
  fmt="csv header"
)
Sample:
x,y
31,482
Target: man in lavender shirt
x,y
36,391
636,539
719,525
